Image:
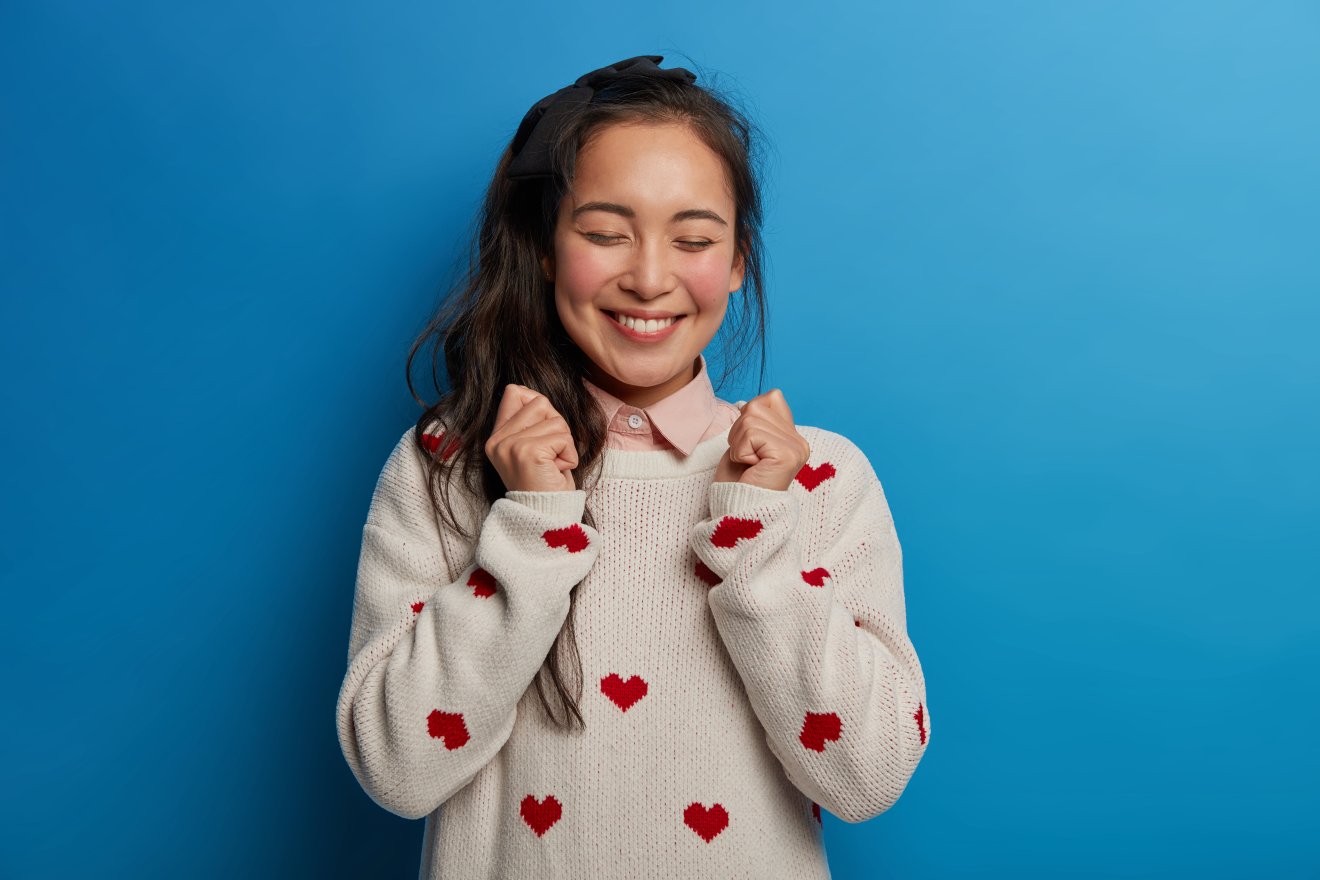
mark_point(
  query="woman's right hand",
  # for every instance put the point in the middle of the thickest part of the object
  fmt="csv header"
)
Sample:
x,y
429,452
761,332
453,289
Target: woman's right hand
x,y
531,446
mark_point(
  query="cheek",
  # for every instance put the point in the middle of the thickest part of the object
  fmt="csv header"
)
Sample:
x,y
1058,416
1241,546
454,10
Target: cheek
x,y
583,272
708,281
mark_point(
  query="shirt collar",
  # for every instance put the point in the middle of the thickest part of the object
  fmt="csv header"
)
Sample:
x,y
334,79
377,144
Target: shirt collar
x,y
681,418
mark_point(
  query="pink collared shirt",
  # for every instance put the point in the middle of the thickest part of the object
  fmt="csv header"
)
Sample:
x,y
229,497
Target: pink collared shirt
x,y
680,421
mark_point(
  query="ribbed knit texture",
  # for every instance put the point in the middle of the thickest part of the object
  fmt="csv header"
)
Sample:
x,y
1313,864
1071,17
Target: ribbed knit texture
x,y
744,652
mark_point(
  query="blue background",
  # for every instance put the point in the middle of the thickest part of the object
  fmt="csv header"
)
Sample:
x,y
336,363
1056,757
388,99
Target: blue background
x,y
1053,266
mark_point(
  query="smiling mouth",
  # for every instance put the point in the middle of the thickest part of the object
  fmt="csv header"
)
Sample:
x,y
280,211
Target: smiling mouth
x,y
640,326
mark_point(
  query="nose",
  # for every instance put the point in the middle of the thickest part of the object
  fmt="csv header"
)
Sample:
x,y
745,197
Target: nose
x,y
650,273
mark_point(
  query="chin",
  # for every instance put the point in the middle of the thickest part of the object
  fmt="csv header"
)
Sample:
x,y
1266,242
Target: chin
x,y
639,371
643,378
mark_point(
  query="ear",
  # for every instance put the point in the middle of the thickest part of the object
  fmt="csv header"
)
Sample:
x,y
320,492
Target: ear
x,y
548,268
736,273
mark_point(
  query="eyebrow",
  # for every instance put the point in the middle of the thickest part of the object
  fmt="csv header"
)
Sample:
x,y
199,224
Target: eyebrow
x,y
625,211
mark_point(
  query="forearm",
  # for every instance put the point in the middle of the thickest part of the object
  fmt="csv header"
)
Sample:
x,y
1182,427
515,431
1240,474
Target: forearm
x,y
841,696
430,700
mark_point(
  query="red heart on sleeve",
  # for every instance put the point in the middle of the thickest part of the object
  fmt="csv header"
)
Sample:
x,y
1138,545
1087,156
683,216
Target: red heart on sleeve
x,y
815,577
732,528
819,728
811,477
572,537
449,727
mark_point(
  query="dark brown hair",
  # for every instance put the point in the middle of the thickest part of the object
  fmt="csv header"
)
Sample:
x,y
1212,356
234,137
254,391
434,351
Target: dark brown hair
x,y
498,323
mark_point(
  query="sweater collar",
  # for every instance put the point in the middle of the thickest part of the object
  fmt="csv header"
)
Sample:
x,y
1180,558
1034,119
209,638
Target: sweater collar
x,y
682,418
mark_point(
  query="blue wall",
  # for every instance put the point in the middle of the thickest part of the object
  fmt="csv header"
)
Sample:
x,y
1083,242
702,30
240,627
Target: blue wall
x,y
1052,265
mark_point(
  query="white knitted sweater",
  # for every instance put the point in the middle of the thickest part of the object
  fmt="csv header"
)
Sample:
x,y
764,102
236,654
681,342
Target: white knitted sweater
x,y
744,652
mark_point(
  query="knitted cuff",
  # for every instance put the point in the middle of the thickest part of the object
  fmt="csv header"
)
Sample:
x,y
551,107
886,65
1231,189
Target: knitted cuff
x,y
564,505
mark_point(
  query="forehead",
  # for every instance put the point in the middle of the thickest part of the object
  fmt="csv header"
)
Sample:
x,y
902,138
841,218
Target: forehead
x,y
650,164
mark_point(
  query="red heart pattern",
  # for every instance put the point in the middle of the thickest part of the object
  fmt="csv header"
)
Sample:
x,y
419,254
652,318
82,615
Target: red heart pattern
x,y
708,823
482,583
811,477
540,815
732,528
432,443
704,572
623,693
819,728
815,577
572,537
449,727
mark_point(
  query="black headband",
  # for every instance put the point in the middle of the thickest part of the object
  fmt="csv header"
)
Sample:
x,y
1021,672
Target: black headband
x,y
531,145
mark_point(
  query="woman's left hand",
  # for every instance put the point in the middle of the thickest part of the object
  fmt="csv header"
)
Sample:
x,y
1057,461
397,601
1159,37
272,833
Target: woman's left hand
x,y
765,449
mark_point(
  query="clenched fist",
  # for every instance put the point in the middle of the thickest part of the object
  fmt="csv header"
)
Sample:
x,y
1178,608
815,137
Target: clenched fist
x,y
765,449
531,446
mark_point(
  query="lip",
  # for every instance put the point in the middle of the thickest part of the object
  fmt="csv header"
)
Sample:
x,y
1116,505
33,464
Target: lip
x,y
632,334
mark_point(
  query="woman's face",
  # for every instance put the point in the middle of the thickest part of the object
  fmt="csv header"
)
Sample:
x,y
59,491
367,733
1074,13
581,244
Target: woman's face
x,y
646,229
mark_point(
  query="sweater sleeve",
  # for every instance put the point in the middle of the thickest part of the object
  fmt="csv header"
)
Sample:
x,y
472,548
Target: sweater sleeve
x,y
436,666
811,611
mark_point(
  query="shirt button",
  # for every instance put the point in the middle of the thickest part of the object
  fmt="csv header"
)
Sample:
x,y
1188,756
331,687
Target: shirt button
x,y
634,421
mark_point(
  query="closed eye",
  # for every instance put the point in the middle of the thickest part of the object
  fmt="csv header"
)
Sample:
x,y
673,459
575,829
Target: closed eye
x,y
602,239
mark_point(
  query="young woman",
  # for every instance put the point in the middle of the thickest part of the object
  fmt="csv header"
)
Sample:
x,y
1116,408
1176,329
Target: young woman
x,y
714,593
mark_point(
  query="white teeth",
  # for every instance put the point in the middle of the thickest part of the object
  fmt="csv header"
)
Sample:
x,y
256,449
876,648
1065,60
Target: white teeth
x,y
651,326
